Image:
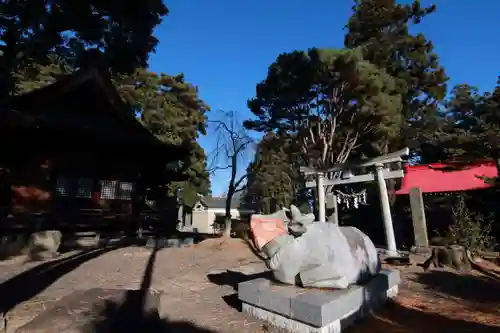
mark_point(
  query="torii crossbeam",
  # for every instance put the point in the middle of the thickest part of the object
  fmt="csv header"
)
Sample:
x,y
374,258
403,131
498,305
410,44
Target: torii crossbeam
x,y
380,174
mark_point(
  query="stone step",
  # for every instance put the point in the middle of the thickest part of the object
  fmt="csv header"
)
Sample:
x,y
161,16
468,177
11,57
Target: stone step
x,y
99,310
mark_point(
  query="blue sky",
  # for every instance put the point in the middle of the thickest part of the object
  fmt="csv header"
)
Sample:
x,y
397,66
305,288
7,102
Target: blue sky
x,y
225,46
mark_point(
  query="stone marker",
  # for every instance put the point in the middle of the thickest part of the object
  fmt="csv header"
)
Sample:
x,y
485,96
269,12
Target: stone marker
x,y
418,218
316,310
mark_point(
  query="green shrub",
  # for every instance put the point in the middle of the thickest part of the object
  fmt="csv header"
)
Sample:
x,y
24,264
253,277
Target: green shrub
x,y
470,229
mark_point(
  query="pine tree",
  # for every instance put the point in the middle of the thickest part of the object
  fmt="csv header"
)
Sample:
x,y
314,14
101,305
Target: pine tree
x,y
328,102
172,110
381,29
272,176
475,130
31,31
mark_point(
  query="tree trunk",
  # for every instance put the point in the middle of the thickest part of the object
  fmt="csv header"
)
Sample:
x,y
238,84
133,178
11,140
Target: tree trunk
x,y
227,227
228,217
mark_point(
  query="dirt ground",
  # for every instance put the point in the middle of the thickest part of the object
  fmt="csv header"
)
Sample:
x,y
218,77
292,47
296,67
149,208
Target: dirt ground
x,y
195,301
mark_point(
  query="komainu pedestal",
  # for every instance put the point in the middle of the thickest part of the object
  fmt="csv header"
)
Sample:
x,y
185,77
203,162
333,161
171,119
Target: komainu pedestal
x,y
316,310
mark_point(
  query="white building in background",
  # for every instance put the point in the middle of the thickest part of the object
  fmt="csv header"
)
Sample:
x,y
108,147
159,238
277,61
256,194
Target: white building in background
x,y
207,215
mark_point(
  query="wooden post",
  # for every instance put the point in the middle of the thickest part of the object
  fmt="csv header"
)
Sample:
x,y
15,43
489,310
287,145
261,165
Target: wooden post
x,y
418,217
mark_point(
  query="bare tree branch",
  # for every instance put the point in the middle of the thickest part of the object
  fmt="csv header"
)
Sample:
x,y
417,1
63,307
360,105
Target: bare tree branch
x,y
239,181
232,145
241,189
218,168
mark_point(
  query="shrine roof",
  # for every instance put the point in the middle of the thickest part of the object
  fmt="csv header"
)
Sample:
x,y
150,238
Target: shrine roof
x,y
448,177
219,202
93,89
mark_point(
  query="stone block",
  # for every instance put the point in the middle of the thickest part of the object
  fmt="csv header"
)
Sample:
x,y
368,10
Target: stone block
x,y
280,299
313,310
187,241
151,243
250,291
173,242
162,242
88,242
44,244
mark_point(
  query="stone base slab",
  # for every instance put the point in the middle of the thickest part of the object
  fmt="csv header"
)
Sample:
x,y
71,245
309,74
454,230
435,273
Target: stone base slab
x,y
316,310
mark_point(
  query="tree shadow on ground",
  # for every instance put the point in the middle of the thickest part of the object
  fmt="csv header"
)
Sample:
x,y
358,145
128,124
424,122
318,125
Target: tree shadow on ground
x,y
30,283
394,318
464,286
131,317
138,312
232,279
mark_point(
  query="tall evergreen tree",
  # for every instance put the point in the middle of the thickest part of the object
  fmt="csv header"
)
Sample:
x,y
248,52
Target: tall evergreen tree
x,y
32,30
38,76
474,132
327,102
328,105
172,110
271,176
381,29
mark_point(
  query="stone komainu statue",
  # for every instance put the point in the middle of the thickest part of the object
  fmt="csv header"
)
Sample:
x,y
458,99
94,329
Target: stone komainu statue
x,y
321,255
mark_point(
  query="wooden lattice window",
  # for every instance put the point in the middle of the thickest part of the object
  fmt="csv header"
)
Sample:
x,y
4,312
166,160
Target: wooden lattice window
x,y
108,189
84,188
125,191
63,186
112,189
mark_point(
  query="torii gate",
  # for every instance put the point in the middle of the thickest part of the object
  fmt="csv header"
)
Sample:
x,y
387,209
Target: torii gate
x,y
380,174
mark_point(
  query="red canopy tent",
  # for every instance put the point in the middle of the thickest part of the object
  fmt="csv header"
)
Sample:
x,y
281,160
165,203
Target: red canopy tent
x,y
447,177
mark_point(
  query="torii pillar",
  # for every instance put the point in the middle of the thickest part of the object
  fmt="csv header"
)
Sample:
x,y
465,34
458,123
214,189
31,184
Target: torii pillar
x,y
380,174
